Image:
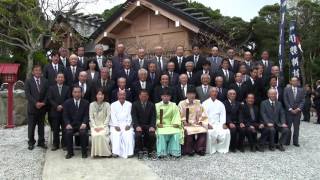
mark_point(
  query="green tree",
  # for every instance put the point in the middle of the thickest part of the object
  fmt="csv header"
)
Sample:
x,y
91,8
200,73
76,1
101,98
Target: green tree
x,y
108,12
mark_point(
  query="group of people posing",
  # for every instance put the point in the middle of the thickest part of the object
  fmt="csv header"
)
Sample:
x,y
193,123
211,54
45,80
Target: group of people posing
x,y
163,107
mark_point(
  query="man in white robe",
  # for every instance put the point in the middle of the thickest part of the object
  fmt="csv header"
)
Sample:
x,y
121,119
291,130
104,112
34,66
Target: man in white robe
x,y
218,136
122,134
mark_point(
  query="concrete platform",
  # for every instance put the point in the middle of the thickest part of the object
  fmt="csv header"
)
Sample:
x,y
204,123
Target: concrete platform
x,y
56,167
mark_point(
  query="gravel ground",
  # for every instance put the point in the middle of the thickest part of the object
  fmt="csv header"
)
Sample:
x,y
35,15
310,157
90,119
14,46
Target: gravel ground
x,y
295,163
16,161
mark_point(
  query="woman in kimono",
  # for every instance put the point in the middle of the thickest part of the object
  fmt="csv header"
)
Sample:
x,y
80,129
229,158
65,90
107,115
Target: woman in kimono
x,y
99,112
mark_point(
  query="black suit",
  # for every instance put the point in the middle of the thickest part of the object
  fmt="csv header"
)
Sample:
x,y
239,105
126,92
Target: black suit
x,y
192,78
158,91
179,69
174,79
250,120
226,81
67,63
155,81
136,64
235,66
232,117
136,87
50,74
83,64
130,79
114,95
222,94
36,116
107,88
70,79
144,118
88,93
117,61
56,99
256,88
75,116
180,94
198,65
240,90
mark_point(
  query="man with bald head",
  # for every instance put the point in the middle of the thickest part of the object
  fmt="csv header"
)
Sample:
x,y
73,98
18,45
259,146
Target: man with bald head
x,y
127,72
182,87
267,64
86,87
218,136
141,84
105,83
119,56
214,59
236,127
140,62
273,118
72,71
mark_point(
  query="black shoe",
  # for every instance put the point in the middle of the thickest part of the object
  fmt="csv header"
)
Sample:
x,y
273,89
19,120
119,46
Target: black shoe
x,y
43,146
281,148
54,148
241,149
233,150
31,147
296,145
191,154
253,148
272,148
260,148
317,123
68,156
84,155
202,153
140,155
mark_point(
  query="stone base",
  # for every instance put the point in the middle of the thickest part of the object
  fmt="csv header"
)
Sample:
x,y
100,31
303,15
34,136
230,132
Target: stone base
x,y
19,107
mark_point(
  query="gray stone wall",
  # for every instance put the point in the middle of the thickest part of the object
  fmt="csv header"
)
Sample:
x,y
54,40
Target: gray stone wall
x,y
19,106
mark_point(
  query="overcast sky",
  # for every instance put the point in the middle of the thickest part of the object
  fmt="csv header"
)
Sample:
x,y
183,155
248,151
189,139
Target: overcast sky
x,y
247,9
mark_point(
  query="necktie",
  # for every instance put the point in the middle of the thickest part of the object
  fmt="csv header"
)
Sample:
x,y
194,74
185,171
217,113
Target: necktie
x,y
73,72
127,72
227,75
220,91
152,77
159,63
83,90
104,83
196,59
38,85
144,106
179,61
55,68
253,116
60,89
205,89
77,104
143,85
141,63
183,93
294,93
272,105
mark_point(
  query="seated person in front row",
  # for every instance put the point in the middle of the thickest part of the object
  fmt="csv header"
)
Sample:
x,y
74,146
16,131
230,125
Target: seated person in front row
x,y
273,117
195,121
99,113
122,135
250,116
144,122
169,131
76,119
236,127
218,136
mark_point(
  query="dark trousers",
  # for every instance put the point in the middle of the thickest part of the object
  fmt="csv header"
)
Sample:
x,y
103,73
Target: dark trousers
x,y
293,119
318,113
145,139
33,120
83,136
58,125
194,143
269,133
251,134
306,113
237,137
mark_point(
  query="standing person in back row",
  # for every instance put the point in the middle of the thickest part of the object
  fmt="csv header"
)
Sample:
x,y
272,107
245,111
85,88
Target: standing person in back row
x,y
36,93
294,98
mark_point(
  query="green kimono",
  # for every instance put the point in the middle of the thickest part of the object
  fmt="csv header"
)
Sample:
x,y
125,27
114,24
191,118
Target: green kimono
x,y
169,138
